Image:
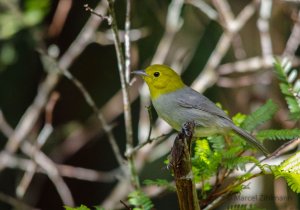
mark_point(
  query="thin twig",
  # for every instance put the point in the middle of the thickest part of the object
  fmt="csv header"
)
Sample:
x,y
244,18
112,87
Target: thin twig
x,y
126,102
244,80
106,38
59,18
251,65
88,8
65,170
41,140
226,15
138,147
127,41
204,7
125,205
263,27
294,39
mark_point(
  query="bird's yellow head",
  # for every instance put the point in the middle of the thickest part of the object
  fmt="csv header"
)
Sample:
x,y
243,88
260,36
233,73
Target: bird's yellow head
x,y
160,79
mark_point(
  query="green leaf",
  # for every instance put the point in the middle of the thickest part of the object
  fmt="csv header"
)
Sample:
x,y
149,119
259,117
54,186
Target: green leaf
x,y
285,89
239,162
205,162
82,207
217,142
35,11
292,104
244,207
260,116
278,134
290,91
290,170
238,119
140,200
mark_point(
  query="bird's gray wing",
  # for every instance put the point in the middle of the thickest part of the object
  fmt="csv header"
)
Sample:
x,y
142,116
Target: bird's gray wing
x,y
190,98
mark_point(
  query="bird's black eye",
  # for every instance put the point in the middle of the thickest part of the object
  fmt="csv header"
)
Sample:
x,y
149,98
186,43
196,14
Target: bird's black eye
x,y
156,74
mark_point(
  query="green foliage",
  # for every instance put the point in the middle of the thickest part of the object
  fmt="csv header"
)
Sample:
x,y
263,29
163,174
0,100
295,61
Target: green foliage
x,y
290,170
291,92
205,162
217,142
260,116
238,119
12,19
35,11
140,200
278,134
160,183
244,207
82,207
235,162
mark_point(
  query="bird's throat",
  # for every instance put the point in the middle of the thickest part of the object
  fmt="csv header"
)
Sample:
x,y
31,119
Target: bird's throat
x,y
157,91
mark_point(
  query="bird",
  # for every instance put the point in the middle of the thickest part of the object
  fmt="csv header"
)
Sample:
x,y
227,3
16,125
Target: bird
x,y
177,103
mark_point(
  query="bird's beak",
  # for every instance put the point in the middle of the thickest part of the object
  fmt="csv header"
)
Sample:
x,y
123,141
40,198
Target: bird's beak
x,y
140,72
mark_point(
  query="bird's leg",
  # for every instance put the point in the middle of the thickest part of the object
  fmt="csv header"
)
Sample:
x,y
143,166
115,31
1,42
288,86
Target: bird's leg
x,y
187,131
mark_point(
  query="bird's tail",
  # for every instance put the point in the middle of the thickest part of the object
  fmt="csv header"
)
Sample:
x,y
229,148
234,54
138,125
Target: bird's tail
x,y
251,139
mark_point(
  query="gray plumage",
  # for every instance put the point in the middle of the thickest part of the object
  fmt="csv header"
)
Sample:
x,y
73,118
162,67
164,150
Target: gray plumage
x,y
193,106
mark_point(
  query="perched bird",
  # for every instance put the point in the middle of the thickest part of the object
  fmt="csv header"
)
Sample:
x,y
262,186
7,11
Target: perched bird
x,y
177,104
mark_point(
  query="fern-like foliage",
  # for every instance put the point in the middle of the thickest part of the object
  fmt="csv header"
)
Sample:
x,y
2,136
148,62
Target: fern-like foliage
x,y
260,116
289,85
217,142
278,134
140,200
244,207
205,162
239,162
82,207
290,170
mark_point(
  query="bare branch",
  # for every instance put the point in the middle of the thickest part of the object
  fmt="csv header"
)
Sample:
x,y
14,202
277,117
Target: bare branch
x,y
127,41
263,27
208,76
41,139
204,7
126,102
88,8
294,39
251,65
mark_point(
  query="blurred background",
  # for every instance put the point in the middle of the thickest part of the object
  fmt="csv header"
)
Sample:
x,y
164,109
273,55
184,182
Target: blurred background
x,y
222,48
